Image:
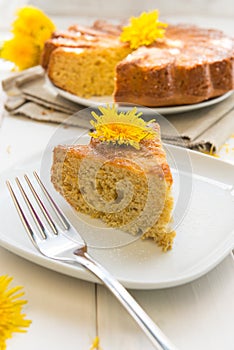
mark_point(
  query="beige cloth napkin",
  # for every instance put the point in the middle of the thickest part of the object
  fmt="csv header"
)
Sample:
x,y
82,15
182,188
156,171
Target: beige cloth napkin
x,y
30,95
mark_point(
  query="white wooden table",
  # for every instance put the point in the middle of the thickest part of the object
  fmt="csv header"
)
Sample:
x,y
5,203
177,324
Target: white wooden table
x,y
67,312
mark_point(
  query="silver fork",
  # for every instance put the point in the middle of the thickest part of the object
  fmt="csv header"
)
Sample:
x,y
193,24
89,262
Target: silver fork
x,y
62,244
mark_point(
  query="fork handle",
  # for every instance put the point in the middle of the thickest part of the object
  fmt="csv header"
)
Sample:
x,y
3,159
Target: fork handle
x,y
157,337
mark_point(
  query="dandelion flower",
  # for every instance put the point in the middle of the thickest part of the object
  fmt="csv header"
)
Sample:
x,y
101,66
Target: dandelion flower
x,y
22,51
30,30
31,21
121,128
143,30
11,317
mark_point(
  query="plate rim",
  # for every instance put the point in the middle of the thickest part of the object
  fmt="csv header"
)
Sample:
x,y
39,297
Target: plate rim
x,y
78,272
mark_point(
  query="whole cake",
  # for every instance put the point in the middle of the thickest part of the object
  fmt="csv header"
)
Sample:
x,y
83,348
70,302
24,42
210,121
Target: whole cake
x,y
188,65
127,184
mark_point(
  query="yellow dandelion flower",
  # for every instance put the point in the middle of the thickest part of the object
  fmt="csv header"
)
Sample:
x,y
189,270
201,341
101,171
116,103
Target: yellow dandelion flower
x,y
143,30
31,20
11,317
41,37
22,51
30,30
121,128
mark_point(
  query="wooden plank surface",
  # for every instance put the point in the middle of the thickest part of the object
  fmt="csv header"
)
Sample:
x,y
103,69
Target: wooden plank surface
x,y
62,309
198,315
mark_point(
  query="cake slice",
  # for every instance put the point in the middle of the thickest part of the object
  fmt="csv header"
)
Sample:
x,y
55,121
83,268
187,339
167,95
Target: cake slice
x,y
126,187
82,60
87,71
78,36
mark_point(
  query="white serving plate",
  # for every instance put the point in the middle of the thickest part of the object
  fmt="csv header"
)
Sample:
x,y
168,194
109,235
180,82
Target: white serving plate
x,y
204,225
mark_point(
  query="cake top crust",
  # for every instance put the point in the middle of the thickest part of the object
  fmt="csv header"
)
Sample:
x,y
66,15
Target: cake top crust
x,y
184,43
149,159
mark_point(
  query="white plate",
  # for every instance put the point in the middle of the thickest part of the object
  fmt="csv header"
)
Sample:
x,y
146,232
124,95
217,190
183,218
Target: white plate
x,y
96,101
205,235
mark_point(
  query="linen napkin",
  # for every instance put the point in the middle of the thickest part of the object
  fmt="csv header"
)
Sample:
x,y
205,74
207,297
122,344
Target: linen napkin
x,y
30,95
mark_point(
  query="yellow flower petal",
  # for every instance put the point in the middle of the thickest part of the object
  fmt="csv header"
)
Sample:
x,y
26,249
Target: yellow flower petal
x,y
143,30
41,37
11,317
22,51
31,20
30,30
95,345
120,128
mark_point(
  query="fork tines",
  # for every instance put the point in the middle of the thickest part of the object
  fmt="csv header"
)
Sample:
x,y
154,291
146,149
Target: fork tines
x,y
41,228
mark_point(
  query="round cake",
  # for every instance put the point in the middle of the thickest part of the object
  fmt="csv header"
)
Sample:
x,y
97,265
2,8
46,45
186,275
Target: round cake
x,y
187,66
